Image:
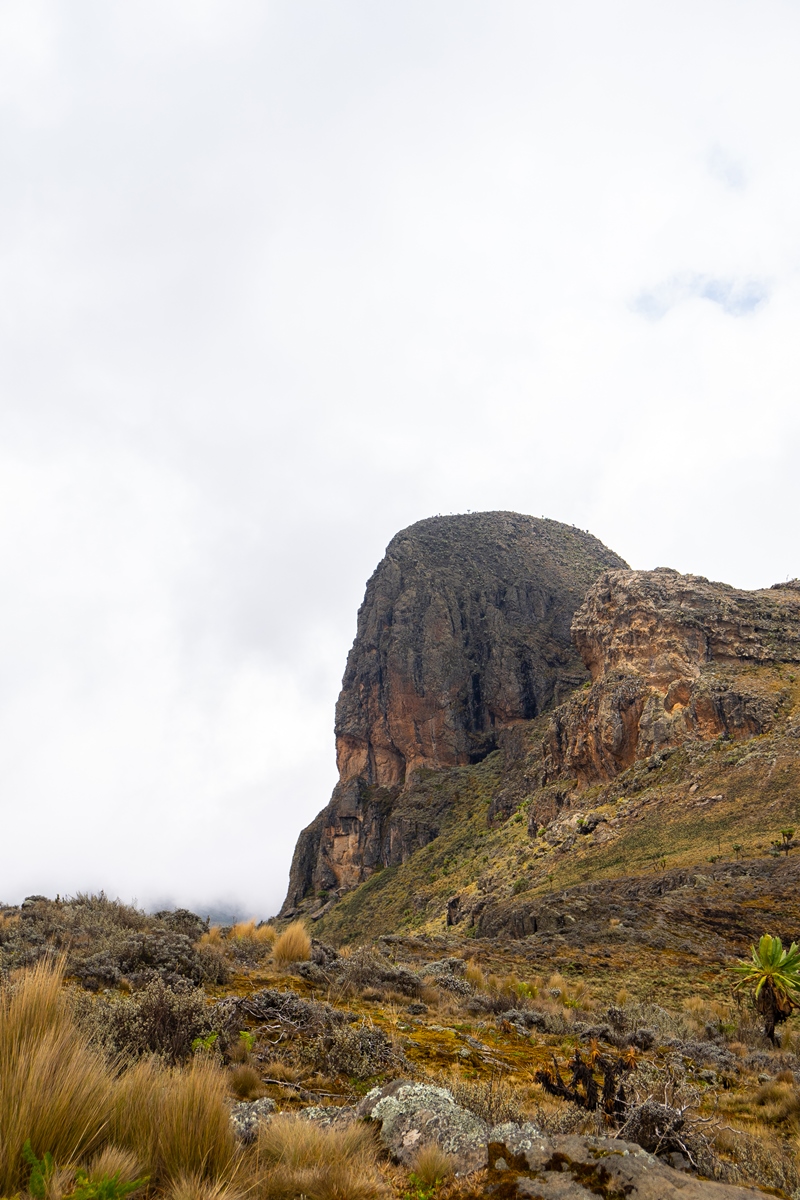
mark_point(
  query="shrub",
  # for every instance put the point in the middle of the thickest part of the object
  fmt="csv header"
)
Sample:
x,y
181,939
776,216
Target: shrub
x,y
293,945
157,1020
56,1089
357,1053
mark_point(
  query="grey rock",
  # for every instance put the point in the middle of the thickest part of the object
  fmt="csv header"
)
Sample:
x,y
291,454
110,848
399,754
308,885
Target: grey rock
x,y
413,1114
328,1115
248,1115
581,1168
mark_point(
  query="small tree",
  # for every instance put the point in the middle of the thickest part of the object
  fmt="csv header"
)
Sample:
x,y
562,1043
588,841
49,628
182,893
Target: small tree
x,y
773,977
786,844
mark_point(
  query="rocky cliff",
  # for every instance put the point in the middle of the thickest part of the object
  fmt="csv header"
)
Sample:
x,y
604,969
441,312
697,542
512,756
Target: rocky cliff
x,y
464,631
672,657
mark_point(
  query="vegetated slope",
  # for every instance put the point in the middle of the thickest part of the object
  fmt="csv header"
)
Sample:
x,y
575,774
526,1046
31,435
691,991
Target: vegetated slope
x,y
464,631
653,797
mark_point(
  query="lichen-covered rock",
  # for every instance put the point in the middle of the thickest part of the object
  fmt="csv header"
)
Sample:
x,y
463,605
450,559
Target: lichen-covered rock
x,y
248,1115
413,1114
581,1168
660,647
464,630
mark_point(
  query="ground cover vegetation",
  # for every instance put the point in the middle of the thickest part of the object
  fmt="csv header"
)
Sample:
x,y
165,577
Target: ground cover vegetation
x,y
155,1087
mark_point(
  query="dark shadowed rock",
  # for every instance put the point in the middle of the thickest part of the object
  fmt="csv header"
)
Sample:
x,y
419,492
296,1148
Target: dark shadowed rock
x,y
464,630
580,1168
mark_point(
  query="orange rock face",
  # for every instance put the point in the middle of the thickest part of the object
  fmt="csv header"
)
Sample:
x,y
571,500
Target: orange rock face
x,y
464,630
657,645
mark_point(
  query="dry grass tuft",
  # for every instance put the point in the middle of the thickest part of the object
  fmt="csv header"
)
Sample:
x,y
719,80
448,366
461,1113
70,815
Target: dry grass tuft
x,y
300,1158
474,975
114,1161
213,937
251,931
176,1121
284,1072
56,1089
195,1187
246,1082
431,1165
293,945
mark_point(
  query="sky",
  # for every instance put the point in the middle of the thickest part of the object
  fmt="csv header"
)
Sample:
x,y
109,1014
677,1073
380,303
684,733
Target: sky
x,y
278,279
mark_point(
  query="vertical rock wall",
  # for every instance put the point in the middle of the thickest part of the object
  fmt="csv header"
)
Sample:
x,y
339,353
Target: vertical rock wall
x,y
464,630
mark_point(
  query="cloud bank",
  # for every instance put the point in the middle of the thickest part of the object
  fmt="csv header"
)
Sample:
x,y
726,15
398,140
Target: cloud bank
x,y
281,278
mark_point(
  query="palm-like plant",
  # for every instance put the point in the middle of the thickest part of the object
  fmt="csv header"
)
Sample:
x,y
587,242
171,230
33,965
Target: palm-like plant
x,y
773,976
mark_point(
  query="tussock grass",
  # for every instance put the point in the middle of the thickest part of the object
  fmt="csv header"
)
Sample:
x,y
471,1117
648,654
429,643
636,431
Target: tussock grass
x,y
251,931
54,1088
195,1187
431,1165
114,1161
213,937
298,1157
246,1082
175,1120
293,945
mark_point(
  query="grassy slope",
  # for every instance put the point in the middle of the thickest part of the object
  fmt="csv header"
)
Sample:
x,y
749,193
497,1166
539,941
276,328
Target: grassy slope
x,y
661,820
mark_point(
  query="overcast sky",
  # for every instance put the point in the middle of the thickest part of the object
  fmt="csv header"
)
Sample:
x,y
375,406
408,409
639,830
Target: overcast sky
x,y
278,279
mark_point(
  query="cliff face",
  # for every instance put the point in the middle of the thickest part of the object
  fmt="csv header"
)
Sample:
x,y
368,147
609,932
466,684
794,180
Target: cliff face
x,y
668,655
464,630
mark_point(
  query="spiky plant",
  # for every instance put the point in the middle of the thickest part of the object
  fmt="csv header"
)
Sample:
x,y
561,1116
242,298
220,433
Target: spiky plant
x,y
773,977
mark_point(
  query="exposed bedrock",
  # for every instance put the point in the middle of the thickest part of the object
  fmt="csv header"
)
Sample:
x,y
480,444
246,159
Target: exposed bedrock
x,y
464,630
669,657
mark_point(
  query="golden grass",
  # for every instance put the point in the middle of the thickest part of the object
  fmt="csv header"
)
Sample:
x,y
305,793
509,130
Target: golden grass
x,y
213,937
175,1120
474,975
195,1187
114,1161
431,1165
251,931
293,945
298,1157
284,1072
54,1088
246,1082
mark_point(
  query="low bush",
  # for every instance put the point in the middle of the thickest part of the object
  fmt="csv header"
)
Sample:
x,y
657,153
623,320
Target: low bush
x,y
355,1052
156,1020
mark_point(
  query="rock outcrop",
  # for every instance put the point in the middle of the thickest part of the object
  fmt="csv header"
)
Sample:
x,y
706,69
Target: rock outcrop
x,y
669,656
464,631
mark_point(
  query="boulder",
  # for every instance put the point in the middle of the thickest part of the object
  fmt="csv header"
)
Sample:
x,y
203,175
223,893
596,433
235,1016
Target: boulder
x,y
411,1115
581,1168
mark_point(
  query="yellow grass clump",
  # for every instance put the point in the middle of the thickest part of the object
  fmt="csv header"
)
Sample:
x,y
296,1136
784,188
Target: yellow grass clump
x,y
175,1120
54,1088
213,937
251,931
431,1165
298,1157
246,1082
293,945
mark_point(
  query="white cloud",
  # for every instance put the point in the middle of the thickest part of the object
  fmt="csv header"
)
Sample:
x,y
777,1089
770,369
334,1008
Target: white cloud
x,y
280,279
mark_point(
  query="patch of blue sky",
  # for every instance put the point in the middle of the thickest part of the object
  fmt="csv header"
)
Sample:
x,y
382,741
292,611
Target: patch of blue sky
x,y
736,297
